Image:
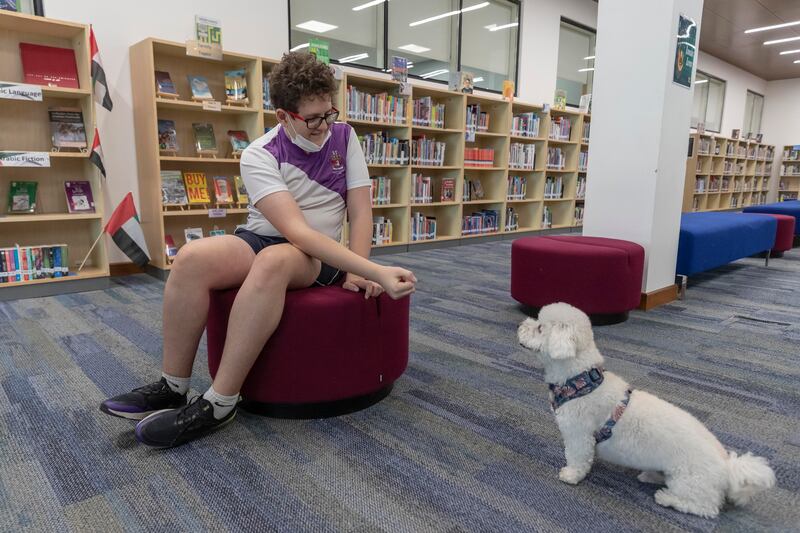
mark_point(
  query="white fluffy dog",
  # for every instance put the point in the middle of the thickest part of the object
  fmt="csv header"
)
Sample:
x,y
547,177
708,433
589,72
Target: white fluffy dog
x,y
668,444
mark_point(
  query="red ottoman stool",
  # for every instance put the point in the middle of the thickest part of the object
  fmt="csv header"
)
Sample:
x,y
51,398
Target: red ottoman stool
x,y
784,235
333,352
601,277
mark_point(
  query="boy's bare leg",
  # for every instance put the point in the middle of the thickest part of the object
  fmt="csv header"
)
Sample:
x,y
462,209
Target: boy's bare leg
x,y
202,265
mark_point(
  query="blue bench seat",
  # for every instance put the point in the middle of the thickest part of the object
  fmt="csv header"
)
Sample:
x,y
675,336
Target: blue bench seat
x,y
791,208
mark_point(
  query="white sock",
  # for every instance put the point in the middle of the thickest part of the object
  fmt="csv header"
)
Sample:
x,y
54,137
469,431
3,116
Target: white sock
x,y
176,384
222,404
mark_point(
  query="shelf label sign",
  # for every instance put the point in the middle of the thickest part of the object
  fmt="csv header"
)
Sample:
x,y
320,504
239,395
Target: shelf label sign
x,y
212,105
20,91
217,213
685,52
24,159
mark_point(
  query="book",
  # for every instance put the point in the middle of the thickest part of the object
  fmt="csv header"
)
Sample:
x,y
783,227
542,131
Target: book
x,y
236,85
399,68
9,5
222,191
265,88
239,140
196,188
448,190
319,48
735,133
167,136
200,88
169,247
241,191
586,103
192,234
79,196
461,81
173,191
204,138
22,196
49,65
476,189
759,137
164,84
66,127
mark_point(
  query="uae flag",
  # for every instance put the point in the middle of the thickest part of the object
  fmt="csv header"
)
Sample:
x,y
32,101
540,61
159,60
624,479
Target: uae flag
x,y
126,231
96,156
99,84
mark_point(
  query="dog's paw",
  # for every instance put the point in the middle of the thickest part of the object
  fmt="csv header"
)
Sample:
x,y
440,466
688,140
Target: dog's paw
x,y
570,475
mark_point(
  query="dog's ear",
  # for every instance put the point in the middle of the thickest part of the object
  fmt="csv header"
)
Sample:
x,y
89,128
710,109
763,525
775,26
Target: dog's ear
x,y
562,341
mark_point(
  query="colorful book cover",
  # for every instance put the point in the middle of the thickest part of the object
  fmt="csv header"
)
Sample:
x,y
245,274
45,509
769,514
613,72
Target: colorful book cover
x,y
173,191
167,136
64,259
222,191
66,127
399,69
49,65
448,190
196,187
204,138
241,191
461,81
164,83
47,266
192,234
9,5
319,49
239,140
508,90
22,196
200,88
169,247
38,264
57,272
13,261
236,84
79,196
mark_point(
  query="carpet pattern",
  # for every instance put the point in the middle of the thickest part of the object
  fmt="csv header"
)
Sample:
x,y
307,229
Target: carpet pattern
x,y
465,442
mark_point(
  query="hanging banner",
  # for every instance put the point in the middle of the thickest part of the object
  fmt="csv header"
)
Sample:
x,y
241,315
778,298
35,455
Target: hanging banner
x,y
685,52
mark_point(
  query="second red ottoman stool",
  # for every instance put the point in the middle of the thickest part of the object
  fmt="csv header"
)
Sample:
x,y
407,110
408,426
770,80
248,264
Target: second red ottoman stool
x,y
601,277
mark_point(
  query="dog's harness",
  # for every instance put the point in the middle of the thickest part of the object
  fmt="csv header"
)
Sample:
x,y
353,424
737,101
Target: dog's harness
x,y
581,385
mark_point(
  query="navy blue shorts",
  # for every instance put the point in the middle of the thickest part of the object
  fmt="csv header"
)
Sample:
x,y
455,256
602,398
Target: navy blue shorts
x,y
328,275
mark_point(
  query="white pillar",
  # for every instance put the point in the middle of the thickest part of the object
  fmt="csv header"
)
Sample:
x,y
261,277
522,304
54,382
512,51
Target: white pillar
x,y
640,131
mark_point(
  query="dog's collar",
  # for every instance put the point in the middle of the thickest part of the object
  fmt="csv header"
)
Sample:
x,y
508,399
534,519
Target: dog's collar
x,y
575,387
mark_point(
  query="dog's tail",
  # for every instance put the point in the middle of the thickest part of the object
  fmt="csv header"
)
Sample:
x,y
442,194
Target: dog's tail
x,y
747,476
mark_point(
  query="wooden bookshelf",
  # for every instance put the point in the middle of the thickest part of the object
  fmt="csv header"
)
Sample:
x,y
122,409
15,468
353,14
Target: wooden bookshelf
x,y
724,173
789,180
155,54
26,128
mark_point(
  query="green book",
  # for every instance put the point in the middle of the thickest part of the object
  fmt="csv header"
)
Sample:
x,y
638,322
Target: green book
x,y
204,137
22,197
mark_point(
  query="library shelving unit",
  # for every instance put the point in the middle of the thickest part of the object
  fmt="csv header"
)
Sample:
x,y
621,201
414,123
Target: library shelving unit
x,y
583,169
789,184
404,205
26,128
724,173
563,148
148,56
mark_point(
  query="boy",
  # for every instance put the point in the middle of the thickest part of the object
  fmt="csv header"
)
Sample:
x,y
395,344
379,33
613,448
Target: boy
x,y
300,178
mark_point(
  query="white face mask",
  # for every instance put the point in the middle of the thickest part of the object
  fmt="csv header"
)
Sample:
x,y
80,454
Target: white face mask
x,y
306,144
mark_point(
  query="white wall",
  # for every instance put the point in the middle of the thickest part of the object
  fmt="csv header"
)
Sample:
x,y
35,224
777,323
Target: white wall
x,y
737,83
781,121
256,27
538,54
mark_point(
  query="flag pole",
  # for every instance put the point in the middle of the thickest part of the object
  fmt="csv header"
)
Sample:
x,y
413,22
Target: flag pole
x,y
92,248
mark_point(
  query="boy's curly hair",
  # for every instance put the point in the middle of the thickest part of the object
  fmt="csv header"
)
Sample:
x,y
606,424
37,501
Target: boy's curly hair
x,y
299,75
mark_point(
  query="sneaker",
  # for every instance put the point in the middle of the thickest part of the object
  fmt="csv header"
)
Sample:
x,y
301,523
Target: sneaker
x,y
173,427
144,401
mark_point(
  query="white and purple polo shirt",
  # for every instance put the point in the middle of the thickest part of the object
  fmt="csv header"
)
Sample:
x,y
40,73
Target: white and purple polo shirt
x,y
318,181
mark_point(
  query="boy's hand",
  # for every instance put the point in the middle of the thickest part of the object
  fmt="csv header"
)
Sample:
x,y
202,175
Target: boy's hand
x,y
355,283
396,281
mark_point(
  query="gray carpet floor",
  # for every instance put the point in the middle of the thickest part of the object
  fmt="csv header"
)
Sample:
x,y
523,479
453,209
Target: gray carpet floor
x,y
465,442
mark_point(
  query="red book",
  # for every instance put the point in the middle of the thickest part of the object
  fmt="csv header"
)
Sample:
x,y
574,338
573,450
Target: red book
x,y
49,65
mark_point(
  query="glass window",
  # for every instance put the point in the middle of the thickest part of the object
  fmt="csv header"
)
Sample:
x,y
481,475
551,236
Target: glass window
x,y
753,108
575,61
489,45
425,32
709,97
355,36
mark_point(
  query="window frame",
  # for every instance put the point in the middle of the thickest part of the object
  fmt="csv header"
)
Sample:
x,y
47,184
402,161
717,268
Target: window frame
x,y
565,20
722,107
386,57
750,118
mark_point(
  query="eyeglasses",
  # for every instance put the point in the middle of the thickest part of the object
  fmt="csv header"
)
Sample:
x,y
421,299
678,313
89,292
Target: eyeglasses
x,y
315,122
